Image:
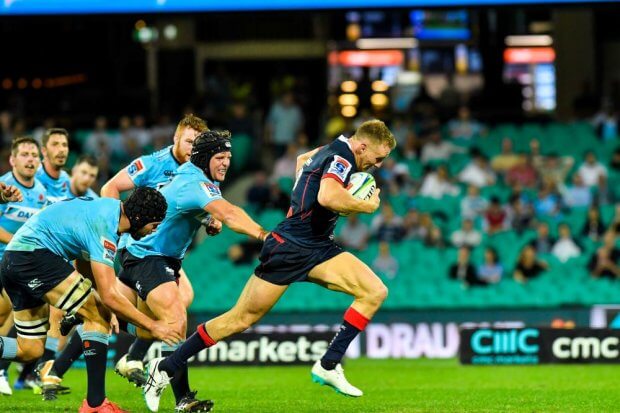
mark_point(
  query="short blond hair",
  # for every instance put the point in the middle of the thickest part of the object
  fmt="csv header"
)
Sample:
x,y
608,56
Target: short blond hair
x,y
376,131
192,121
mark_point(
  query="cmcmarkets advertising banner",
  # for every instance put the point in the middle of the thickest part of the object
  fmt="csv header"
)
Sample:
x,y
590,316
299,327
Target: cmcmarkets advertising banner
x,y
490,346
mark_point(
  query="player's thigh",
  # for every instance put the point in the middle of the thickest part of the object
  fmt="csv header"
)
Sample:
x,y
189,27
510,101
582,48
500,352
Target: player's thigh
x,y
348,274
165,302
186,289
128,292
31,325
5,309
258,297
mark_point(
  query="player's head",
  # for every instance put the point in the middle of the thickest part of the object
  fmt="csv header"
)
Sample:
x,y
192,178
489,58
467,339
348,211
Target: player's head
x,y
84,174
145,208
187,130
25,157
211,153
373,143
55,146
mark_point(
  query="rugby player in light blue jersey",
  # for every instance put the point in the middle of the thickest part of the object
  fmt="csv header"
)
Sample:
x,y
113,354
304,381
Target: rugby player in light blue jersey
x,y
36,273
152,170
83,176
25,159
55,150
150,266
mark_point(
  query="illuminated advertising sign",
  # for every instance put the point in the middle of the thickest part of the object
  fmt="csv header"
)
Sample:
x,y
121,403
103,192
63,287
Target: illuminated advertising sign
x,y
539,345
166,6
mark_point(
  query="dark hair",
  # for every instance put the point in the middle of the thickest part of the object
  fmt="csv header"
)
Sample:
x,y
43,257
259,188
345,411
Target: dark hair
x,y
54,131
88,159
23,139
493,253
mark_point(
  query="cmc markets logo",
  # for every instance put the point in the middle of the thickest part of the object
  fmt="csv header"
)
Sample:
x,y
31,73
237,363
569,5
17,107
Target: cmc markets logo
x,y
585,348
512,346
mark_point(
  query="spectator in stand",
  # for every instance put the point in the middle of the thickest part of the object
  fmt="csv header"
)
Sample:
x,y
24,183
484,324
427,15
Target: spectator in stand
x,y
523,173
520,214
491,271
463,270
411,148
495,217
577,195
565,247
606,259
436,149
244,252
548,201
100,139
593,228
278,199
140,133
438,184
258,193
606,124
425,228
402,129
284,122
240,122
553,168
473,205
285,165
467,236
614,227
543,243
592,171
503,162
614,164
604,264
385,263
528,265
387,226
435,238
464,127
162,131
477,172
354,234
412,224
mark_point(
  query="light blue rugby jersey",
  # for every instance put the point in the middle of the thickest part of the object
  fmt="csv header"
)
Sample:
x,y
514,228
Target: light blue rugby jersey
x,y
83,228
14,214
187,195
57,189
152,170
89,193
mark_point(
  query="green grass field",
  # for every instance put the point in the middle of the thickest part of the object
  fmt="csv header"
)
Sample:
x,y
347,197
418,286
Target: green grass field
x,y
390,386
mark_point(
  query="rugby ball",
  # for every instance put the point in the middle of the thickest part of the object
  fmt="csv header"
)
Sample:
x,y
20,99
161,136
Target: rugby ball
x,y
362,185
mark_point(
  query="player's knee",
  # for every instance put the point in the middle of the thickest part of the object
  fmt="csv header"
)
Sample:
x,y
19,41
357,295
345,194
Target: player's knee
x,y
377,295
30,350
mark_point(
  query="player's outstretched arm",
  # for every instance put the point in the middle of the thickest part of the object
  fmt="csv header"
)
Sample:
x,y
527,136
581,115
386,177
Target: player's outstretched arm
x,y
333,196
119,183
303,158
236,219
122,307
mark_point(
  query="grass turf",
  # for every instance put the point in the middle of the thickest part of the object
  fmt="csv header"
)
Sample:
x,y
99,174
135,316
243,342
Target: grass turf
x,y
389,385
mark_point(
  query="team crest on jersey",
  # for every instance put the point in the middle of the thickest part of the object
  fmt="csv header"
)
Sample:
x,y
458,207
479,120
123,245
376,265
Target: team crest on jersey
x,y
211,190
339,167
135,168
109,249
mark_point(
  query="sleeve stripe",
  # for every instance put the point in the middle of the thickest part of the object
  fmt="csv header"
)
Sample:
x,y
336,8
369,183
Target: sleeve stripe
x,y
333,176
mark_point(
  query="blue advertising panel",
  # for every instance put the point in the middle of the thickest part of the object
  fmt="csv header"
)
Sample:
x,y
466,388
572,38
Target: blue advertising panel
x,y
25,7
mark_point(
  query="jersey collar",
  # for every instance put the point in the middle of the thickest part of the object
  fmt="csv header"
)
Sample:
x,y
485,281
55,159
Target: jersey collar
x,y
22,185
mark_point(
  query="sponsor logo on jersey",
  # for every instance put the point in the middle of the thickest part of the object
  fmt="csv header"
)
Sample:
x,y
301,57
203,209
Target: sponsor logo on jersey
x,y
168,173
339,167
19,213
211,190
109,249
135,168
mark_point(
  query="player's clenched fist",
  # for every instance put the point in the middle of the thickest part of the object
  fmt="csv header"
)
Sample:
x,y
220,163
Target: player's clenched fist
x,y
10,193
212,226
